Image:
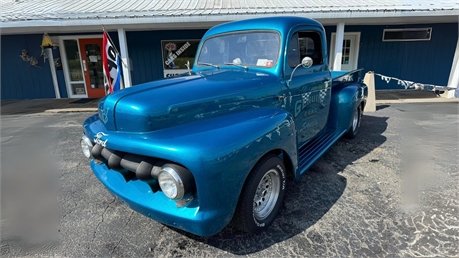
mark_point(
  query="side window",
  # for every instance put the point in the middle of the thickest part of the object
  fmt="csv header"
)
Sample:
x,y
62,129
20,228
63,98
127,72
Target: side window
x,y
302,44
293,52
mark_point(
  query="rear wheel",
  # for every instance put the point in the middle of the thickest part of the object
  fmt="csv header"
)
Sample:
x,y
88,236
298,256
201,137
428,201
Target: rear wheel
x,y
262,195
354,129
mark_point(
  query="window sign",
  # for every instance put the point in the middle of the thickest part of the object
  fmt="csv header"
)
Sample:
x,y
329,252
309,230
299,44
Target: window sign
x,y
177,54
407,34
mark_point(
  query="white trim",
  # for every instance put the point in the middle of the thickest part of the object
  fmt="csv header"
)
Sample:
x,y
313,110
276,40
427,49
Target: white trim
x,y
125,64
453,81
53,72
338,47
357,47
65,66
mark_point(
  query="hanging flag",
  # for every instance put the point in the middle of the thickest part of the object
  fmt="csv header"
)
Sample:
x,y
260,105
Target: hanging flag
x,y
112,66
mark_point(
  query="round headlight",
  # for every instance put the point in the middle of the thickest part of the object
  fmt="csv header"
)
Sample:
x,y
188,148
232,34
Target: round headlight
x,y
171,184
86,146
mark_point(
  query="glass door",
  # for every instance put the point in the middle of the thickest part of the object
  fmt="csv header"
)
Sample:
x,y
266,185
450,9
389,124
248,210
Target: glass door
x,y
75,75
347,59
350,51
91,59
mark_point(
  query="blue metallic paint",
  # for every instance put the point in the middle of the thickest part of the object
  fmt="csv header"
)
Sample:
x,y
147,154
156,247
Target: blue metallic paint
x,y
217,123
219,152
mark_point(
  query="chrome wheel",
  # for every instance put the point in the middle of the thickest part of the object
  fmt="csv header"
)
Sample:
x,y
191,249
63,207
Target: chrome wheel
x,y
355,123
355,120
266,196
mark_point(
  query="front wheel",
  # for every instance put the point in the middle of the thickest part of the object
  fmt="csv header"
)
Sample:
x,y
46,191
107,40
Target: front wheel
x,y
354,129
262,195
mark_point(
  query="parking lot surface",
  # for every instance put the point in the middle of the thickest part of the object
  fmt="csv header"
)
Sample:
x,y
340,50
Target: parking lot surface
x,y
391,192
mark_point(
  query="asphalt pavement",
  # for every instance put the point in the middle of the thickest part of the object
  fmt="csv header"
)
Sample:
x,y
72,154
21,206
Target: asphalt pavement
x,y
391,192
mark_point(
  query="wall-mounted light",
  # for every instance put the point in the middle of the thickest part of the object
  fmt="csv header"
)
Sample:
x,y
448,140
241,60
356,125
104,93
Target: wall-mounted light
x,y
46,41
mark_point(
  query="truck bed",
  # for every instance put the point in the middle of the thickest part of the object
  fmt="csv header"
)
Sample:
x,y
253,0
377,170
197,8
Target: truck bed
x,y
345,76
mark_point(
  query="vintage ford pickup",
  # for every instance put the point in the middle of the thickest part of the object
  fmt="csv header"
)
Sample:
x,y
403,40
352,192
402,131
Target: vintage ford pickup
x,y
259,106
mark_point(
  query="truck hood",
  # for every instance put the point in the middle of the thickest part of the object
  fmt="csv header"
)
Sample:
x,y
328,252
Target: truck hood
x,y
165,103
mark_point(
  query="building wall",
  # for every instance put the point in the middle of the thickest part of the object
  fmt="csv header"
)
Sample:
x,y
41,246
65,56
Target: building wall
x,y
426,62
146,54
419,61
20,80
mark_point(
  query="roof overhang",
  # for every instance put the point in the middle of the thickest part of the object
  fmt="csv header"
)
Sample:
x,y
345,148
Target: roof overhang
x,y
173,22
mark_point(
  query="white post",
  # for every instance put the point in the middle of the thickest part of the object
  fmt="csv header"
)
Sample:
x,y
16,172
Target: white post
x,y
53,72
369,80
124,57
338,47
453,81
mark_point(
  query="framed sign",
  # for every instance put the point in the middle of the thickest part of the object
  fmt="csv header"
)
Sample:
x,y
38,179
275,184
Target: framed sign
x,y
177,54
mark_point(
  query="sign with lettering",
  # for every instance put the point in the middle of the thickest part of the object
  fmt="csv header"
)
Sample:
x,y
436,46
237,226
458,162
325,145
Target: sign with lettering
x,y
176,54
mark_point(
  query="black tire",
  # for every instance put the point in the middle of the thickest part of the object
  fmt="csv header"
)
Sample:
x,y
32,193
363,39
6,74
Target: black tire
x,y
253,215
355,125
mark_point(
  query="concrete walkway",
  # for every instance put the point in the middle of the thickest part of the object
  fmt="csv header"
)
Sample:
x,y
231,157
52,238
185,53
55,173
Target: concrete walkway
x,y
12,107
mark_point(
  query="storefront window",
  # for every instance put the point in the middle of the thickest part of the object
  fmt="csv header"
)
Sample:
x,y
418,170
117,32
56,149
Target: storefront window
x,y
177,54
73,60
78,89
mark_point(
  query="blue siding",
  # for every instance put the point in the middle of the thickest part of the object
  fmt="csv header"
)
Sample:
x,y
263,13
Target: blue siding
x,y
19,80
145,51
418,61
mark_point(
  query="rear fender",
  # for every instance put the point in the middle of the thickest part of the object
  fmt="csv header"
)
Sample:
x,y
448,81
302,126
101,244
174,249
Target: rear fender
x,y
346,97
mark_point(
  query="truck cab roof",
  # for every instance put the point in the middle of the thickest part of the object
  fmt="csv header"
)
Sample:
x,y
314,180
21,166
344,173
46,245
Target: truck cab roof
x,y
282,24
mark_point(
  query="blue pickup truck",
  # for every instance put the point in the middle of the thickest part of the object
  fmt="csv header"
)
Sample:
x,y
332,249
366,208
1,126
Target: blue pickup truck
x,y
259,107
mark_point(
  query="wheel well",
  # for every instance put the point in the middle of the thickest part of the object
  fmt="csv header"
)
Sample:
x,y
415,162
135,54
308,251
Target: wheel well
x,y
362,105
283,155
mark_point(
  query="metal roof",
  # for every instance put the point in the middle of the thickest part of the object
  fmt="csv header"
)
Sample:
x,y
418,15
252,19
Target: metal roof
x,y
20,10
68,13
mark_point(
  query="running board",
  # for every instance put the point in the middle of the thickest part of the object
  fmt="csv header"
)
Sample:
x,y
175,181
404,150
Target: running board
x,y
314,149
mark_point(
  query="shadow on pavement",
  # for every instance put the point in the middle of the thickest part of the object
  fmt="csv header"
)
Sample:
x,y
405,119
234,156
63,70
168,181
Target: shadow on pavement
x,y
21,107
308,200
404,94
380,107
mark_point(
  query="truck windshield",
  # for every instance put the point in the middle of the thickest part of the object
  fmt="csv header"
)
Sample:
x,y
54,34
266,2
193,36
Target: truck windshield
x,y
256,48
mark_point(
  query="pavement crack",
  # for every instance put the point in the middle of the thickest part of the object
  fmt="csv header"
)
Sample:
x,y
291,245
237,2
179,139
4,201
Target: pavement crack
x,y
161,230
114,248
129,218
102,220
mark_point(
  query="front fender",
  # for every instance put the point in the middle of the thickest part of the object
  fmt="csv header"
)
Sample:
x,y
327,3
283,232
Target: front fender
x,y
220,152
236,150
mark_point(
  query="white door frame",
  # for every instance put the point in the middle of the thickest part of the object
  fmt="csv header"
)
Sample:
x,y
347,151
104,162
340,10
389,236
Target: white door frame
x,y
65,64
355,47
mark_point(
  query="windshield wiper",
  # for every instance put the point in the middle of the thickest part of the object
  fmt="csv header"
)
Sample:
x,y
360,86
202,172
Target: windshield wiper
x,y
243,66
209,64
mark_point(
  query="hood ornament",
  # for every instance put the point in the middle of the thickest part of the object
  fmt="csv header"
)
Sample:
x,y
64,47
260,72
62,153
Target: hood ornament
x,y
103,115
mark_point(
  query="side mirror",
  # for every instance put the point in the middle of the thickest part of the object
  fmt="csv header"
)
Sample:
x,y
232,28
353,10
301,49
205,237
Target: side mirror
x,y
306,63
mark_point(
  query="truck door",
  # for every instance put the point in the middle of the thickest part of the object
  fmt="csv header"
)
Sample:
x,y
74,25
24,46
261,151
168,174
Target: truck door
x,y
308,94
